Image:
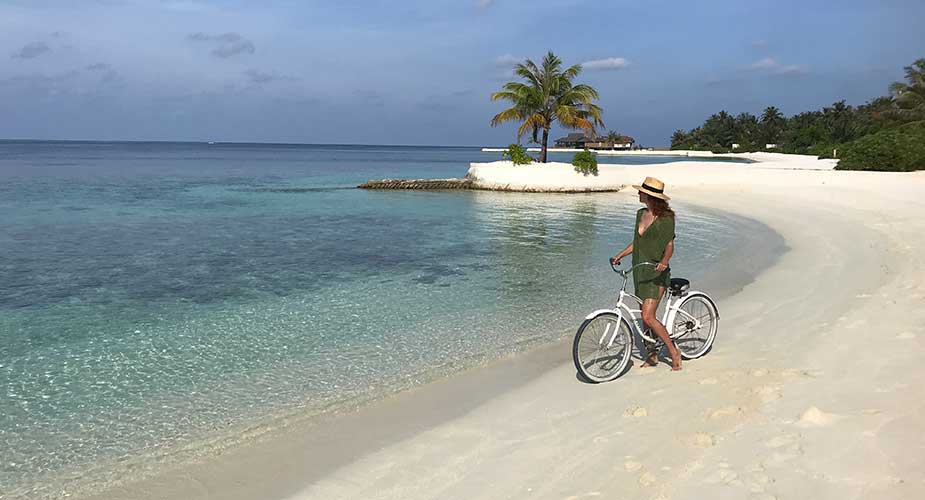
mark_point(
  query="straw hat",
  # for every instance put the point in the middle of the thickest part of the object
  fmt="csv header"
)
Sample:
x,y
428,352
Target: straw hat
x,y
652,187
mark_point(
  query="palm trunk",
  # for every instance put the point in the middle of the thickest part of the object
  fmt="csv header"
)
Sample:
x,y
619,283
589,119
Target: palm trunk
x,y
545,140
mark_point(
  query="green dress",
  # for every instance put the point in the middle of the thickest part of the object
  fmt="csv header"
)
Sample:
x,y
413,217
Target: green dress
x,y
650,247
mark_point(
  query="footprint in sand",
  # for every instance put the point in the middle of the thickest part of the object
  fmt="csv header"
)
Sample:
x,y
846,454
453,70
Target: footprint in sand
x,y
701,440
632,466
636,412
691,468
759,372
707,381
759,481
767,393
647,479
814,417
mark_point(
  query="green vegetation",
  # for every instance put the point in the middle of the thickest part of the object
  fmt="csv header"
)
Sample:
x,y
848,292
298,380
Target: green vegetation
x,y
585,162
901,149
517,154
547,96
879,135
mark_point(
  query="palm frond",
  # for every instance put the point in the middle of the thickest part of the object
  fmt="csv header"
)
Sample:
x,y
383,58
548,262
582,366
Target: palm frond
x,y
508,115
533,123
545,94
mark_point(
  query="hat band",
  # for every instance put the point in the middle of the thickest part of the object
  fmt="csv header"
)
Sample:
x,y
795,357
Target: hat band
x,y
650,188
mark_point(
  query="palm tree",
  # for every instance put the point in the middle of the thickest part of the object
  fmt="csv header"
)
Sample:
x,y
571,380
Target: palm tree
x,y
613,137
771,113
772,125
547,96
910,97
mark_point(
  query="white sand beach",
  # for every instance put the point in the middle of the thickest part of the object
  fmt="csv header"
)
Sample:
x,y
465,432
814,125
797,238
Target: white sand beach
x,y
812,389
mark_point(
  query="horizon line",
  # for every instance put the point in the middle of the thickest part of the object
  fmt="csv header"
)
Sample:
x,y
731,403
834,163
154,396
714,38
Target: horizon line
x,y
262,143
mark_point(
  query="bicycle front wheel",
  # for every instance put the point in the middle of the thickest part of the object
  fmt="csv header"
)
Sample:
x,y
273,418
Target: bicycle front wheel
x,y
603,347
694,326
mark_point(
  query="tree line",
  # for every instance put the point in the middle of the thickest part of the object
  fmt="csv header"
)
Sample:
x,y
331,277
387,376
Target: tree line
x,y
818,132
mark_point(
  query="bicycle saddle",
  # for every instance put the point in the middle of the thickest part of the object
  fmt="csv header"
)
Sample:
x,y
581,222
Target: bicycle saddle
x,y
679,285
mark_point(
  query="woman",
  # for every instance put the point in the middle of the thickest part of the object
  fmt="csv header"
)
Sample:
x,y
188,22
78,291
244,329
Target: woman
x,y
653,241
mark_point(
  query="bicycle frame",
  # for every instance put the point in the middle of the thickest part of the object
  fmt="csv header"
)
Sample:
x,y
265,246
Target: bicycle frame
x,y
634,316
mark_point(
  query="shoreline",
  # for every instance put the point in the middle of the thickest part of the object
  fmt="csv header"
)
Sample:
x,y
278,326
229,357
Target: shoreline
x,y
310,449
791,402
789,385
778,409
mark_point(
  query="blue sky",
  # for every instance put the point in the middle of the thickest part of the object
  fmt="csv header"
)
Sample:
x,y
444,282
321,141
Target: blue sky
x,y
420,72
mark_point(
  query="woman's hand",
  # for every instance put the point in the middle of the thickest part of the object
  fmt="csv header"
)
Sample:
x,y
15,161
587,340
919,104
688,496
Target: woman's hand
x,y
661,266
615,260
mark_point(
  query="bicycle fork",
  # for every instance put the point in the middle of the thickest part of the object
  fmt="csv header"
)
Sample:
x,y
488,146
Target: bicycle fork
x,y
616,328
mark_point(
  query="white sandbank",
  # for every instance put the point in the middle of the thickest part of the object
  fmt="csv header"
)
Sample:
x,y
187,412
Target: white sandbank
x,y
562,177
812,390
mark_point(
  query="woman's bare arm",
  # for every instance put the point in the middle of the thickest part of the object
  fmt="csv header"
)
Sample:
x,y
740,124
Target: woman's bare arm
x,y
669,251
615,260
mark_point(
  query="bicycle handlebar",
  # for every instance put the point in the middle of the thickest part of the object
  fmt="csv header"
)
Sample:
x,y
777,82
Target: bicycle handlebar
x,y
626,272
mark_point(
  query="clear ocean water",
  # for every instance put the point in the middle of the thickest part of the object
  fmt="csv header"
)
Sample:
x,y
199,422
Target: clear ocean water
x,y
159,301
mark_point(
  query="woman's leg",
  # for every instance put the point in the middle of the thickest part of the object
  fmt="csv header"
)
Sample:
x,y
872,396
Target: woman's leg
x,y
649,306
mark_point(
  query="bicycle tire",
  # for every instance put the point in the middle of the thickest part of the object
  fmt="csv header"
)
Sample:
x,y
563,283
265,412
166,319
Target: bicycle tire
x,y
596,357
695,342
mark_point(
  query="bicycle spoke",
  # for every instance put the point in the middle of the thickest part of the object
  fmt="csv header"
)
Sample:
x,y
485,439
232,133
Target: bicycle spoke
x,y
601,348
694,326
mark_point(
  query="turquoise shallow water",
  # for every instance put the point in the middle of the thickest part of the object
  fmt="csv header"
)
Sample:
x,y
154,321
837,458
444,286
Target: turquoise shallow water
x,y
156,299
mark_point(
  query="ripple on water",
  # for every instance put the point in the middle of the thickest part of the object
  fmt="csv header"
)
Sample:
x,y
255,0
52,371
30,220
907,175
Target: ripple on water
x,y
173,316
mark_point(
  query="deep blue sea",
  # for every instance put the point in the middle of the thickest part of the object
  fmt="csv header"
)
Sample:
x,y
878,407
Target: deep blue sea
x,y
161,300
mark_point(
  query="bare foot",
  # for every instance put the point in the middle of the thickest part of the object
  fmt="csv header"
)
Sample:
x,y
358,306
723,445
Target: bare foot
x,y
651,359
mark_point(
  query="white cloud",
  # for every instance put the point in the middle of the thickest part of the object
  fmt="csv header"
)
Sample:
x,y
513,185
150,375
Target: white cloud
x,y
507,61
771,66
609,63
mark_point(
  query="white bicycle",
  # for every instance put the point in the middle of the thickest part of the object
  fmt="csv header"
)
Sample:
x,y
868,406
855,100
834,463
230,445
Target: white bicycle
x,y
604,342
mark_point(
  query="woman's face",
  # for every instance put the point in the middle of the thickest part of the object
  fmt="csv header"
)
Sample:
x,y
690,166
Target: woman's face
x,y
642,197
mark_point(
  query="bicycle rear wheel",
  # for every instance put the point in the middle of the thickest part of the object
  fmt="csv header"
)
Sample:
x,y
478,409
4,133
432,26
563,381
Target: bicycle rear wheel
x,y
694,326
602,348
